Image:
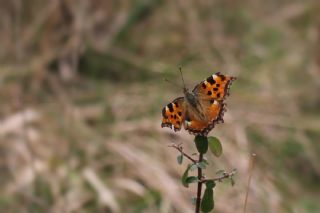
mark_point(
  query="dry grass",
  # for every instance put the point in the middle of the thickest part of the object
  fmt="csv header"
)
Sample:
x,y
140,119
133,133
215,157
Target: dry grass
x,y
82,93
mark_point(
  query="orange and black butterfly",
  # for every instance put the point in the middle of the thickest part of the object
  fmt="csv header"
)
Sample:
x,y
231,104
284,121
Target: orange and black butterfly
x,y
199,110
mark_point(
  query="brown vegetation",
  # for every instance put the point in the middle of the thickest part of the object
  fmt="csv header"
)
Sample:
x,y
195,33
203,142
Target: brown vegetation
x,y
82,93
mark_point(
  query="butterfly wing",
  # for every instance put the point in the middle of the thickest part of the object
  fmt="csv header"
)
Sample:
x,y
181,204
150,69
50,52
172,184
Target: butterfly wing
x,y
214,114
215,87
210,94
173,114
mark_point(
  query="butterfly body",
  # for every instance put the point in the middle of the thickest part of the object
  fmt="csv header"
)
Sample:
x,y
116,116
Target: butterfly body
x,y
194,105
200,109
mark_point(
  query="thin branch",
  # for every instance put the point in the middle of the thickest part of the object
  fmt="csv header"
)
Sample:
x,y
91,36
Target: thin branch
x,y
180,149
253,157
225,175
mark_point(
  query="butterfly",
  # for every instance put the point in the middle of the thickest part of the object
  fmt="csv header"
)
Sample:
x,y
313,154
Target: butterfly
x,y
199,110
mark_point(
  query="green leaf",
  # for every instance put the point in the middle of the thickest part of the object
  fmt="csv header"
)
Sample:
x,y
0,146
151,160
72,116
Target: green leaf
x,y
207,202
194,200
180,159
193,167
205,161
215,146
185,177
232,181
201,165
210,184
192,179
201,144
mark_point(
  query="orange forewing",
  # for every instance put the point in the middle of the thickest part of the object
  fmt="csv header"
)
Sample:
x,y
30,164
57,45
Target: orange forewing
x,y
215,87
173,114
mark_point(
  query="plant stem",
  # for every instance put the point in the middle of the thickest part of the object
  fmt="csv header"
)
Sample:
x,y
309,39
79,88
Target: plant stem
x,y
199,185
225,175
253,156
179,148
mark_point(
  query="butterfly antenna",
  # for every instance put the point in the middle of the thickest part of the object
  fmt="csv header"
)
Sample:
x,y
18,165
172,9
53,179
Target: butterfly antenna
x,y
184,85
174,84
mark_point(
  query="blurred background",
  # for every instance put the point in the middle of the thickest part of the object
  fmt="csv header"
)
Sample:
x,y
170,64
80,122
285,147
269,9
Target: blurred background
x,y
82,91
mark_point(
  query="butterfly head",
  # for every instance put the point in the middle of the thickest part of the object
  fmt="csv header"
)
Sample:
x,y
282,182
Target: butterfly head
x,y
189,96
185,90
